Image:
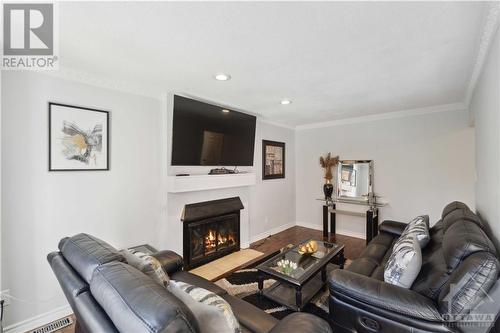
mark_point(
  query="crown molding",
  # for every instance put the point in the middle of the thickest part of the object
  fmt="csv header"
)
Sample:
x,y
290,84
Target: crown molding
x,y
388,115
101,82
490,27
273,123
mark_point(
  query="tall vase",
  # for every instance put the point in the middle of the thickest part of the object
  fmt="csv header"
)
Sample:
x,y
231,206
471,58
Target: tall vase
x,y
328,189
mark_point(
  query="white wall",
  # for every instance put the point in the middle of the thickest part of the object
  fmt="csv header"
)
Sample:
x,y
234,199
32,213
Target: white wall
x,y
125,206
272,200
421,163
121,206
486,108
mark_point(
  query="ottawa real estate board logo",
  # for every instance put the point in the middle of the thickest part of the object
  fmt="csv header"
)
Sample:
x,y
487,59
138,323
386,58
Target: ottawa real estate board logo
x,y
29,36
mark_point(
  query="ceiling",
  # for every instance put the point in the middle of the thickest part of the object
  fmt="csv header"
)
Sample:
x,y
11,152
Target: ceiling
x,y
334,60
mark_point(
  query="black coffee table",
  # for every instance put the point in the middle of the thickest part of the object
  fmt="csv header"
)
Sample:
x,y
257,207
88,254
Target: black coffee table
x,y
296,289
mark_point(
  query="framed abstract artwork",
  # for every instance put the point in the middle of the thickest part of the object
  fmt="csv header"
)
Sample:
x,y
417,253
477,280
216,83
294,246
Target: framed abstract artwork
x,y
78,138
273,159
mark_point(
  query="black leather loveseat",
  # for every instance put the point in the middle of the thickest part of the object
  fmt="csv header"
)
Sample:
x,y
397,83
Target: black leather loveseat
x,y
108,295
457,281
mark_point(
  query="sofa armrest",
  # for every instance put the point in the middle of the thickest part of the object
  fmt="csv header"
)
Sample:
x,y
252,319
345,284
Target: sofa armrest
x,y
392,227
300,322
170,261
382,295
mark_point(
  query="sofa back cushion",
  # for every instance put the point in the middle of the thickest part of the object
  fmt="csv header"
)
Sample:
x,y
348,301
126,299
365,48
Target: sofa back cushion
x,y
136,303
433,274
464,214
469,284
85,253
453,206
462,239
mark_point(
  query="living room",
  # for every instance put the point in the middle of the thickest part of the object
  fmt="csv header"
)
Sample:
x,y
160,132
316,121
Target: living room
x,y
281,156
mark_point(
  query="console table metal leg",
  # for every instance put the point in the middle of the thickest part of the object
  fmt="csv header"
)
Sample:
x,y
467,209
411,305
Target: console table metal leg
x,y
325,222
375,223
333,221
298,298
369,226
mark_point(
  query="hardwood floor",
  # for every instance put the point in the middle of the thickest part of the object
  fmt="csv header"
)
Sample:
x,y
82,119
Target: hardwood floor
x,y
293,235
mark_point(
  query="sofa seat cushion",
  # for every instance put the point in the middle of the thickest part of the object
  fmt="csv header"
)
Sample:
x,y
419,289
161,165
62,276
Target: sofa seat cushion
x,y
363,266
136,303
85,253
250,317
197,281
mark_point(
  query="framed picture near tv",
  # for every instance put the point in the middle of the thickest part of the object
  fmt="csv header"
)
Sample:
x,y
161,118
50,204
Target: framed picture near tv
x,y
273,159
78,138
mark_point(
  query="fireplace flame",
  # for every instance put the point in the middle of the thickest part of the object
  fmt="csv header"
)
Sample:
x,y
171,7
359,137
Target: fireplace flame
x,y
213,239
210,241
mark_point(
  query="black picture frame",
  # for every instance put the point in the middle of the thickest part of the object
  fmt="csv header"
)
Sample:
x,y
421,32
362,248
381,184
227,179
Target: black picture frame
x,y
269,143
50,166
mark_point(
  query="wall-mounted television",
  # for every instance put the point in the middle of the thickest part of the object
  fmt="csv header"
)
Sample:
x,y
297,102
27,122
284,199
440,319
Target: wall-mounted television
x,y
206,134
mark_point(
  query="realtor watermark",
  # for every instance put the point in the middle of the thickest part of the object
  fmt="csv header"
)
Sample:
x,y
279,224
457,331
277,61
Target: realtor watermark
x,y
473,313
30,36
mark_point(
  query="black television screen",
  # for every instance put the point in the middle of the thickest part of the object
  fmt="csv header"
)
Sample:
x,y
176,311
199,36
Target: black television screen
x,y
205,134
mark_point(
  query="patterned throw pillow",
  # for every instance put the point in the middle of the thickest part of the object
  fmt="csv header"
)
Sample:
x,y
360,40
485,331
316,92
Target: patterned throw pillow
x,y
419,226
147,264
212,312
405,262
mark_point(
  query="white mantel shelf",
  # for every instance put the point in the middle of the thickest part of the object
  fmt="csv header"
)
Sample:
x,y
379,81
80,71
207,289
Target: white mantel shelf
x,y
180,184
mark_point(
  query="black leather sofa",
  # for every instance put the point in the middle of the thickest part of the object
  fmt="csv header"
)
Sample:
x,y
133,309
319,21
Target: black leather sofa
x,y
108,295
459,277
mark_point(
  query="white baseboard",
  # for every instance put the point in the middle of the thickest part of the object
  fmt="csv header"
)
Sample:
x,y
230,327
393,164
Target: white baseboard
x,y
40,320
272,231
338,231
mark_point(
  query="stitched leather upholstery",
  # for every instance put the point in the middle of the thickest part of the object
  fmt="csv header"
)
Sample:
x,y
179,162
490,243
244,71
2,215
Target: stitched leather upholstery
x,y
463,239
302,322
110,296
453,206
463,214
169,260
135,303
85,253
469,283
392,227
459,266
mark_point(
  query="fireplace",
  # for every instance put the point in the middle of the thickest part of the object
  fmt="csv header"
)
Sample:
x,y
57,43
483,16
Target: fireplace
x,y
211,230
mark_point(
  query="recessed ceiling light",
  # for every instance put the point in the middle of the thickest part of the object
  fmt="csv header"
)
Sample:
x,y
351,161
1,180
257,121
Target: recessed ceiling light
x,y
225,111
285,102
222,77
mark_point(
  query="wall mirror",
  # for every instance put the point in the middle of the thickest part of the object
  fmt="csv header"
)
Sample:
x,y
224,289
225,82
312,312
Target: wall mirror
x,y
355,179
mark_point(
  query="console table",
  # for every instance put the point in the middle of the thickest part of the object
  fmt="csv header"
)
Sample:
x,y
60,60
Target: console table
x,y
330,212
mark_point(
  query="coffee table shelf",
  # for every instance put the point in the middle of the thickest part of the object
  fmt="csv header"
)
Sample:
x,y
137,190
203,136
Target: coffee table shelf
x,y
296,289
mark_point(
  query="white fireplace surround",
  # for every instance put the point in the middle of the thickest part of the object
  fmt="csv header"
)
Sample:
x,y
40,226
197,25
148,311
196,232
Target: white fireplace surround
x,y
178,184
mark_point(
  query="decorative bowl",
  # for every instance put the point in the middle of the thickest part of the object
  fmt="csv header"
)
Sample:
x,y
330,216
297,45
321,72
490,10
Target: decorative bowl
x,y
308,248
